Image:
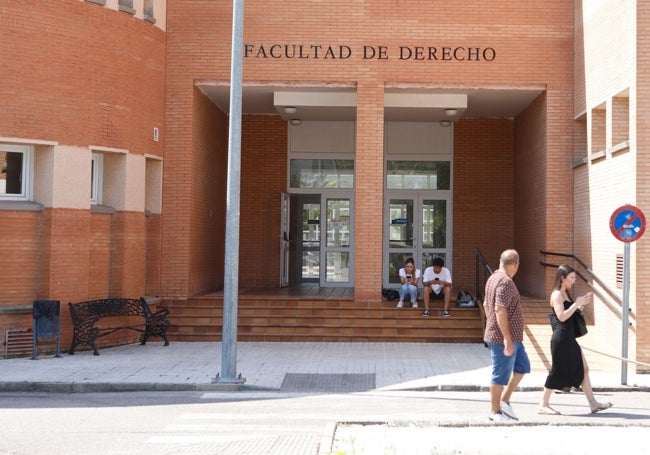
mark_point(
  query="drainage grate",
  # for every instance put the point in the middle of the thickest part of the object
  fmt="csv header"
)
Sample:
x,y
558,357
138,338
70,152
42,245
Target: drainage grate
x,y
308,382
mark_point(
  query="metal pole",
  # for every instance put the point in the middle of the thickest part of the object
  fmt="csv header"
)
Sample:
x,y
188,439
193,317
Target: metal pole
x,y
231,263
626,311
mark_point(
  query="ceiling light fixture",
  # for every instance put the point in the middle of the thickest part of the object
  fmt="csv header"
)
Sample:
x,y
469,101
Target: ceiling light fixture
x,y
451,112
295,121
445,123
290,109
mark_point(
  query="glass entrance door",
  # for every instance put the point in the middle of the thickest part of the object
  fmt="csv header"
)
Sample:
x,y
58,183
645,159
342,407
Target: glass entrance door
x,y
418,227
306,222
337,249
321,251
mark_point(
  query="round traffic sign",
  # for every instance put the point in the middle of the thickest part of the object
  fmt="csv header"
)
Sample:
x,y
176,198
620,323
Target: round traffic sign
x,y
627,223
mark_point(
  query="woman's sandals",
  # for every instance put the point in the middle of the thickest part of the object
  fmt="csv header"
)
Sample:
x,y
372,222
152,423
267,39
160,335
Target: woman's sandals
x,y
547,411
596,407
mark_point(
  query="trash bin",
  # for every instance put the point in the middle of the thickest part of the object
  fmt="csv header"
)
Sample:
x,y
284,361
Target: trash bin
x,y
47,323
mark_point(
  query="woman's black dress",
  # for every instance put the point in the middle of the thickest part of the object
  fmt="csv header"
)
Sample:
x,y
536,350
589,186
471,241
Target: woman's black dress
x,y
567,369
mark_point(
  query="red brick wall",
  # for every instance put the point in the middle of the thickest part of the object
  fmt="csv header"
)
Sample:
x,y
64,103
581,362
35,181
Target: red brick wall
x,y
81,75
153,252
369,190
642,298
530,197
128,257
264,178
100,255
208,195
21,251
483,166
531,44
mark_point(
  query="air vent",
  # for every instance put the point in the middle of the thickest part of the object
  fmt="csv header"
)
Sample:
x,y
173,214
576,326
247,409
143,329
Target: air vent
x,y
18,342
619,271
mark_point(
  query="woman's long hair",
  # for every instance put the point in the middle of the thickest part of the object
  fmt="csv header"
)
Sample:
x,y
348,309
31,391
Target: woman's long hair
x,y
562,272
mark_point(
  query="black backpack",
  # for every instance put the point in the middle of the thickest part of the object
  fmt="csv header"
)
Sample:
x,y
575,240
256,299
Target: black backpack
x,y
389,294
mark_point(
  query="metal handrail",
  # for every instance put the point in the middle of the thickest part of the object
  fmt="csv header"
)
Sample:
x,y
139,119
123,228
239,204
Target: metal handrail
x,y
481,262
616,307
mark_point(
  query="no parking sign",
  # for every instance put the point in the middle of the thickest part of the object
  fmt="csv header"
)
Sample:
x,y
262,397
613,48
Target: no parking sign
x,y
627,223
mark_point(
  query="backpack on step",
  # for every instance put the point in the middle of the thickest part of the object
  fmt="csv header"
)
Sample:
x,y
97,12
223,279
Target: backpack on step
x,y
465,300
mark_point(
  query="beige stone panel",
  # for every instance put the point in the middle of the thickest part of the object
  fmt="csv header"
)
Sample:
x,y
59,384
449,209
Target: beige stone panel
x,y
62,177
153,189
114,180
134,195
160,13
124,181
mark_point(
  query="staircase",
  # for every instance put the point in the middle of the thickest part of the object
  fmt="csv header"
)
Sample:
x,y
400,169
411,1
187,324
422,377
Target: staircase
x,y
537,333
326,320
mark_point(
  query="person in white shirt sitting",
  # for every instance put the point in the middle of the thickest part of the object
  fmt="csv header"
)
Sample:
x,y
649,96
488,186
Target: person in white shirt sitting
x,y
437,285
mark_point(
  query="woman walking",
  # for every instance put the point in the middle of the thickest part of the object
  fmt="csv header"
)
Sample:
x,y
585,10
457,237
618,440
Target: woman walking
x,y
569,367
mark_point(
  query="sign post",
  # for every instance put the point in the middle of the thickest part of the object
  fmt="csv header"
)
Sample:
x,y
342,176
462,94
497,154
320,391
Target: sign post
x,y
627,223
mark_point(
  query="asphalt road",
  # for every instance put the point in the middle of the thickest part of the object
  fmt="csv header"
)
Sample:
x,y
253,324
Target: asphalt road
x,y
270,423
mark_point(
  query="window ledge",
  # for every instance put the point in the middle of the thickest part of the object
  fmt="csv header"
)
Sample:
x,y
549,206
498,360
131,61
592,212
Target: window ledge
x,y
598,155
21,205
102,209
149,18
16,309
620,147
579,162
99,2
126,9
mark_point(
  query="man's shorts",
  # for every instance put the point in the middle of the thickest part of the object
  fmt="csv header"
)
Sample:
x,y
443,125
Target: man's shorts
x,y
503,366
435,296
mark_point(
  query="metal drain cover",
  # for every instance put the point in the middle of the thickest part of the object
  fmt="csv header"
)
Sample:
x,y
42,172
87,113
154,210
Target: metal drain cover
x,y
308,382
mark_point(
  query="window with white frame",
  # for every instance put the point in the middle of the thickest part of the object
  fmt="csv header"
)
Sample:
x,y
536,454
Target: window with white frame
x,y
16,170
96,178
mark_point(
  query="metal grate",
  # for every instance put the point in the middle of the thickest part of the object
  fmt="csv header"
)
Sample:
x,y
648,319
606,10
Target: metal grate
x,y
300,382
18,342
619,271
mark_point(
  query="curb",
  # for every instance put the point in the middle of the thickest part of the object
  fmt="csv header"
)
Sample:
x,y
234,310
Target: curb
x,y
110,387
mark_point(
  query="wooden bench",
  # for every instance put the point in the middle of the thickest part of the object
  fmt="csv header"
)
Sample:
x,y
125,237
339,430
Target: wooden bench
x,y
85,316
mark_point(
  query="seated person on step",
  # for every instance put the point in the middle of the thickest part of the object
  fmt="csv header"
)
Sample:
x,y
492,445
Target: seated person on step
x,y
409,277
437,285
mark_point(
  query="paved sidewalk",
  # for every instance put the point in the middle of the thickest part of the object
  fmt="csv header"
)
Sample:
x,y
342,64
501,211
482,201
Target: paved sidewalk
x,y
268,366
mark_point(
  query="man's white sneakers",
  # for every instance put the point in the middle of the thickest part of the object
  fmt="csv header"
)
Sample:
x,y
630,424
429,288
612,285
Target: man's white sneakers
x,y
508,411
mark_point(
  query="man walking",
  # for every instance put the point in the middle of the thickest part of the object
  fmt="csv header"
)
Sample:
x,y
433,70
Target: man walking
x,y
504,334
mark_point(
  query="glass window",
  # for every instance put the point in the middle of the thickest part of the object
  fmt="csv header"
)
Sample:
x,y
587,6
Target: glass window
x,y
306,173
427,259
96,176
338,223
401,223
395,262
15,172
338,267
418,175
434,224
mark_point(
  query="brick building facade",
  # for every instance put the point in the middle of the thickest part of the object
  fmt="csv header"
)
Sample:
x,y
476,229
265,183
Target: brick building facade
x,y
534,110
